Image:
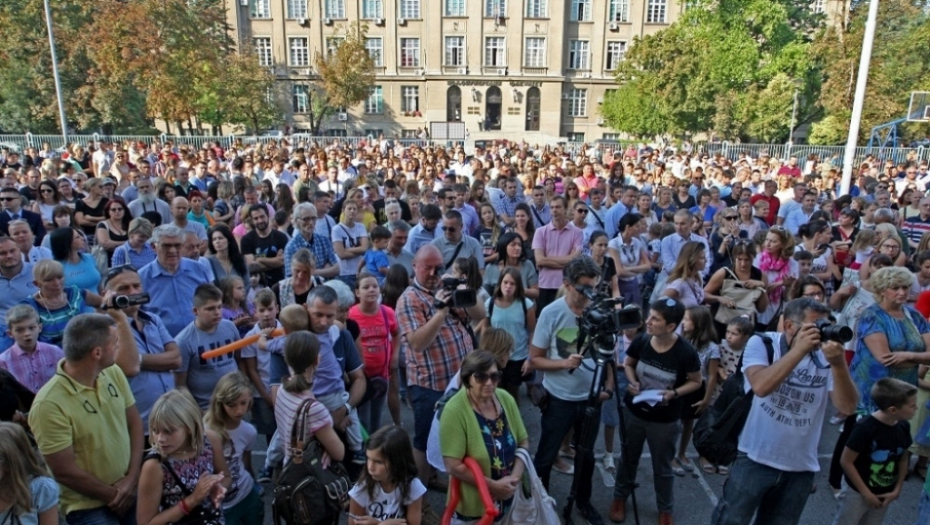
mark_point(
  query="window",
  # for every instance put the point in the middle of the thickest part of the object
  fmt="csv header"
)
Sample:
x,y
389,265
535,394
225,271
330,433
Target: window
x,y
575,137
375,101
495,8
372,9
455,8
410,98
817,6
611,136
373,132
263,50
535,50
618,11
655,12
577,102
335,9
300,53
615,53
494,51
455,51
375,49
409,52
301,98
536,8
410,9
333,43
297,8
260,8
581,11
578,51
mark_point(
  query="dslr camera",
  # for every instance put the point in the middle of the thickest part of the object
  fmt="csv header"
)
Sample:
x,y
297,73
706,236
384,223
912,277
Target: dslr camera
x,y
834,332
460,298
125,301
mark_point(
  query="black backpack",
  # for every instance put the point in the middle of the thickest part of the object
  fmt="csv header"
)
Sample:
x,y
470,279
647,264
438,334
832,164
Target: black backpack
x,y
716,432
306,493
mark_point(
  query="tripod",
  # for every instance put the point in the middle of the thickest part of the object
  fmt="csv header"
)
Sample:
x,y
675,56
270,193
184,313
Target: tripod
x,y
601,348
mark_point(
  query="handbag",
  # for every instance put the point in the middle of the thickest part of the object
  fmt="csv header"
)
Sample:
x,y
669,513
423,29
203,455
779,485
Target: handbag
x,y
744,298
531,505
101,258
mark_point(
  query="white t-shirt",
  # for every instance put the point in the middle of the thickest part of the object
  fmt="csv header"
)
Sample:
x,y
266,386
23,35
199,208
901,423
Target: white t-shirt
x,y
351,237
384,506
241,440
783,428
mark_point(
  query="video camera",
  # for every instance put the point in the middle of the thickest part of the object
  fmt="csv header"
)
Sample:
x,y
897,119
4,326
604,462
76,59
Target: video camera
x,y
125,301
603,321
460,298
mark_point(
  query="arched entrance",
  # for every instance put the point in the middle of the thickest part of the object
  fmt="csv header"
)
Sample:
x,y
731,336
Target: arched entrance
x,y
492,108
532,109
454,104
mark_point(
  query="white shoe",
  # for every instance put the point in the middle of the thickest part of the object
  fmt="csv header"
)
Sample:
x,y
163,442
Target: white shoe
x,y
608,460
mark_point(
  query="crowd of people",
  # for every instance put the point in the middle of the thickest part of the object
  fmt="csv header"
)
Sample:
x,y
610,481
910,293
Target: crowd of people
x,y
372,277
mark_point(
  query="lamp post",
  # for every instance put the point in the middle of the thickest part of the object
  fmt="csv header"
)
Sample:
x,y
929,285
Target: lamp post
x,y
862,78
61,101
794,117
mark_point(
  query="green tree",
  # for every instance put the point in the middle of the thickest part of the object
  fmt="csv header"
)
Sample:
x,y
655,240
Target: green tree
x,y
251,96
344,76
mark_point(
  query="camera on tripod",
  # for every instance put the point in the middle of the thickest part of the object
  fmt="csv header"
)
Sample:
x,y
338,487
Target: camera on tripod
x,y
603,320
460,298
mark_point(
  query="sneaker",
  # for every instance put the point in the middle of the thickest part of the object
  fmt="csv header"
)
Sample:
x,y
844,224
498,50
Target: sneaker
x,y
618,510
589,513
608,461
359,457
837,419
264,476
665,518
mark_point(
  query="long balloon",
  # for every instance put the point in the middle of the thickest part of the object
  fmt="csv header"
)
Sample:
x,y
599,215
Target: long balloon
x,y
242,343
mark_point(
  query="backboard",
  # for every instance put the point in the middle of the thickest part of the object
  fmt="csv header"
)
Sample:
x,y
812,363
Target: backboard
x,y
919,108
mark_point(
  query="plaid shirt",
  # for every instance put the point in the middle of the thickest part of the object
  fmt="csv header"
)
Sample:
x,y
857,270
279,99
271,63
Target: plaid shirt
x,y
320,247
434,366
508,205
34,369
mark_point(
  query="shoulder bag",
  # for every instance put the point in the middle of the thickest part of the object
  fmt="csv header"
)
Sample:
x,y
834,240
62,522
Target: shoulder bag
x,y
744,298
532,505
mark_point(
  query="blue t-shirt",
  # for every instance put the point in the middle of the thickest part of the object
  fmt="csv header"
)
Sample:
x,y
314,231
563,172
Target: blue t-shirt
x,y
512,320
83,274
45,494
375,259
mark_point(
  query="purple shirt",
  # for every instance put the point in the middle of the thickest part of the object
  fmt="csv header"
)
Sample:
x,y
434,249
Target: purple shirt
x,y
555,242
34,369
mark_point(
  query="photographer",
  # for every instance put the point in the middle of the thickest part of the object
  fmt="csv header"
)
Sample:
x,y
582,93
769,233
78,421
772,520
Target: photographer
x,y
436,339
775,469
568,378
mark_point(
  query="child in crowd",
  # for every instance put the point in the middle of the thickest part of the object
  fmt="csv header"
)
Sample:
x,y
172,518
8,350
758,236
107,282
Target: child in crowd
x,y
379,346
863,248
30,495
610,418
389,491
467,268
376,261
184,475
231,401
697,327
805,263
260,366
511,310
875,459
32,363
236,306
255,284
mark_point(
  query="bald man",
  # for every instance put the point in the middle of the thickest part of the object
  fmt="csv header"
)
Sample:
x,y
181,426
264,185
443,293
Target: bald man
x,y
180,207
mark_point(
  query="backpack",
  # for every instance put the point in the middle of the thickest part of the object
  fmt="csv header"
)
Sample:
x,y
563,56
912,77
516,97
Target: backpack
x,y
306,492
716,432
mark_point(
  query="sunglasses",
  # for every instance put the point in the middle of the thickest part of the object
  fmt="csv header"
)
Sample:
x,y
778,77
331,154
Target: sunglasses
x,y
116,270
449,229
730,217
581,210
8,199
482,377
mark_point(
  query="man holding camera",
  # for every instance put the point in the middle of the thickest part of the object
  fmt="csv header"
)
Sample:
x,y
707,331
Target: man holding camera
x,y
568,379
436,338
777,461
454,243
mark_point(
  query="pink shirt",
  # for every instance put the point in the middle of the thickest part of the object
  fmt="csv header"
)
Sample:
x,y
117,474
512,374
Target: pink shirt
x,y
34,369
375,339
555,242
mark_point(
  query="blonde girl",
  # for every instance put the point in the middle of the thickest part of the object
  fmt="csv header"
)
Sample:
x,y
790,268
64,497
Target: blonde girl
x,y
29,495
184,475
229,404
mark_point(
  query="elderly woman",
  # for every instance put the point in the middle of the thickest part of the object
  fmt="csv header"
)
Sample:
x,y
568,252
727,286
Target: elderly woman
x,y
80,269
296,288
136,251
56,302
483,422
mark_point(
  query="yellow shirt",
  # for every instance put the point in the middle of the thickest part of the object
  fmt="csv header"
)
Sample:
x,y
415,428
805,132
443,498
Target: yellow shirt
x,y
93,421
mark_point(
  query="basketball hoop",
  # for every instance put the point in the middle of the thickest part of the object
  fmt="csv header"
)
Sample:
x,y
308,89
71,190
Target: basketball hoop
x,y
918,110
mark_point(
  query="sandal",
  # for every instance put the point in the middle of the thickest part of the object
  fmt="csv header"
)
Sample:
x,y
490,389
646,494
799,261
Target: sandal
x,y
676,468
563,467
707,466
723,470
686,464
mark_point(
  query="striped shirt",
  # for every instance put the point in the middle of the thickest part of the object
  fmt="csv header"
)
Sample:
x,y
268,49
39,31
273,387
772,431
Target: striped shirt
x,y
285,409
32,369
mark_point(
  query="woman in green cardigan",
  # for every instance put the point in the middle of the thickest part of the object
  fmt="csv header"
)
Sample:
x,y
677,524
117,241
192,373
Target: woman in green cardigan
x,y
483,422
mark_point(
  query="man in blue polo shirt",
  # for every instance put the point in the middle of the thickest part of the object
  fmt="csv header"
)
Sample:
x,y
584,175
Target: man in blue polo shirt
x,y
16,283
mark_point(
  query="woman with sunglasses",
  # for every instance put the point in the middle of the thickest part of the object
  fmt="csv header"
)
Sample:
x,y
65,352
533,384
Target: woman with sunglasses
x,y
46,201
114,231
724,237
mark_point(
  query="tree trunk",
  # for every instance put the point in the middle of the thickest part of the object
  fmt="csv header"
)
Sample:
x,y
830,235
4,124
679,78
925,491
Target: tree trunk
x,y
180,125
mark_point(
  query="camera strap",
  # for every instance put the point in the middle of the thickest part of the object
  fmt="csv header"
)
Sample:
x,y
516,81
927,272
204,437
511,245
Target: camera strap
x,y
454,255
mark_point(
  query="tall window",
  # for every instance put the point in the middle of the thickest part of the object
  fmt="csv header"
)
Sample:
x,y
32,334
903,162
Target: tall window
x,y
297,8
409,52
536,8
335,9
372,9
655,12
535,50
374,104
300,53
578,54
577,102
375,49
618,11
301,98
494,51
454,51
616,50
817,6
263,50
410,98
455,8
581,11
333,43
410,9
494,8
260,8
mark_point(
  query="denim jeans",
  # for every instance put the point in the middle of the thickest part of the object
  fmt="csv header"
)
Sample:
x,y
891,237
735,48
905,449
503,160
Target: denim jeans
x,y
663,440
369,413
558,418
101,516
778,496
423,400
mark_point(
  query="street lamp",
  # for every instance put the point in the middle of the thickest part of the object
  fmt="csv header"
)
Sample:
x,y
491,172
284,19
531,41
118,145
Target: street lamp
x,y
794,116
61,101
862,78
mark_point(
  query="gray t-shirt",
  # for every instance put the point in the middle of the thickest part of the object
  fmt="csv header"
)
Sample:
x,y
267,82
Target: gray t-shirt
x,y
492,274
557,331
202,374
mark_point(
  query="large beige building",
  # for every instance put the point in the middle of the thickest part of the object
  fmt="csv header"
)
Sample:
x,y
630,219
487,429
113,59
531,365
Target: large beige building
x,y
533,69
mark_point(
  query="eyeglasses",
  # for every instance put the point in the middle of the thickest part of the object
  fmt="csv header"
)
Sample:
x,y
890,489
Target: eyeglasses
x,y
47,191
730,217
482,377
581,210
449,229
306,219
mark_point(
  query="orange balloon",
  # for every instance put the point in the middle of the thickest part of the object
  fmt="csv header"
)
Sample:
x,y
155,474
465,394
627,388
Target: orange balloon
x,y
242,343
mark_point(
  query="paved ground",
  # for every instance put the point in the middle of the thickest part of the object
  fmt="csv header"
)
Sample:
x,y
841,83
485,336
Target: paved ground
x,y
695,494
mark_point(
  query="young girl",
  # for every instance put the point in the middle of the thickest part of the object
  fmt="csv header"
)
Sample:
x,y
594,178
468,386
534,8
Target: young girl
x,y
236,307
505,311
610,418
487,233
467,268
739,330
379,344
230,402
598,246
30,495
182,478
388,491
697,327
